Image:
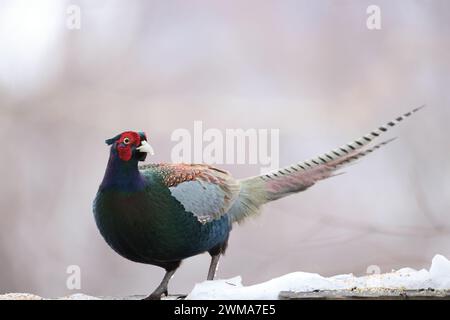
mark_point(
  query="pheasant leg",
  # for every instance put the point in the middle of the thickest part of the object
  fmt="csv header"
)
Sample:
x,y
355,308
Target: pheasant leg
x,y
162,288
213,266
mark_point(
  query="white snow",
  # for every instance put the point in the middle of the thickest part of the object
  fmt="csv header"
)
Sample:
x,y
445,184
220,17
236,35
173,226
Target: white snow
x,y
438,277
29,296
19,296
78,296
440,272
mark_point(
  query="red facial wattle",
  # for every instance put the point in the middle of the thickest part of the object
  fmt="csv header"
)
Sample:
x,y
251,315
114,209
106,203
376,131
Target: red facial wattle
x,y
124,152
125,142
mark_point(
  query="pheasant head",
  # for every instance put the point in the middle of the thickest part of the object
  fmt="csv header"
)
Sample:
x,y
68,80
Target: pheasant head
x,y
130,145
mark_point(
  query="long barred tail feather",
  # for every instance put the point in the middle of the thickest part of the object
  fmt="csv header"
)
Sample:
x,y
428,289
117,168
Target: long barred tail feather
x,y
256,191
349,148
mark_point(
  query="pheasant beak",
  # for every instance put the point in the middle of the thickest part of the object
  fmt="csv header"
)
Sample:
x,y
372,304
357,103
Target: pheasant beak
x,y
145,147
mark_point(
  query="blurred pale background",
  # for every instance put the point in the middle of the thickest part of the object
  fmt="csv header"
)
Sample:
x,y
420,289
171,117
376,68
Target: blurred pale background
x,y
310,68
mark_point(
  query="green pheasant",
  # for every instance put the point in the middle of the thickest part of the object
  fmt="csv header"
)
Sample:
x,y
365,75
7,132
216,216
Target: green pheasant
x,y
161,214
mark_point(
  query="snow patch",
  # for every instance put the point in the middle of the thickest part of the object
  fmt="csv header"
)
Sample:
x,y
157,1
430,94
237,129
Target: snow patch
x,y
19,296
79,296
438,277
440,272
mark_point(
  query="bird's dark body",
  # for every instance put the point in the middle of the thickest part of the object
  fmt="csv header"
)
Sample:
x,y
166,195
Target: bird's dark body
x,y
143,222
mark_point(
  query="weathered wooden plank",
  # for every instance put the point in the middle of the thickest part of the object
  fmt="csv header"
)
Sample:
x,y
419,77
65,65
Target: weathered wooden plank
x,y
358,294
140,297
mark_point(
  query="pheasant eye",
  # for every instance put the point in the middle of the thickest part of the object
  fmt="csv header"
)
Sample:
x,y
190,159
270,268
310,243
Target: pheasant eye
x,y
126,140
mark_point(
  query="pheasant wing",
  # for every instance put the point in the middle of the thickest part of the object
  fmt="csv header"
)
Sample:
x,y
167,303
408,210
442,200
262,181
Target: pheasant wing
x,y
205,191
